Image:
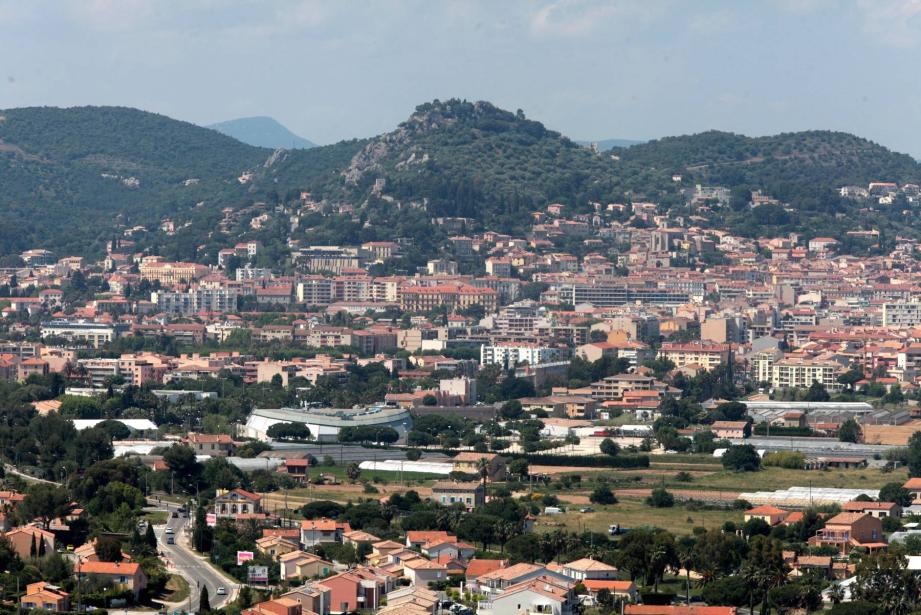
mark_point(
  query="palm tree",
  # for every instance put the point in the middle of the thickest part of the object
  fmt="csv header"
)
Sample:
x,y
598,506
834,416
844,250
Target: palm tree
x,y
504,532
483,469
685,553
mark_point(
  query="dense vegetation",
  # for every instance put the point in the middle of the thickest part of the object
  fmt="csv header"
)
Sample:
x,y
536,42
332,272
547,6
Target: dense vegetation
x,y
450,158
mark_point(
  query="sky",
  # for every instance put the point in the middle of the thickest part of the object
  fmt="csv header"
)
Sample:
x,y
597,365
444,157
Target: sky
x,y
332,70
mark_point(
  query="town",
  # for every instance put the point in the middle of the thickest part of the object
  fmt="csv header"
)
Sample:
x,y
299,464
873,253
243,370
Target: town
x,y
619,411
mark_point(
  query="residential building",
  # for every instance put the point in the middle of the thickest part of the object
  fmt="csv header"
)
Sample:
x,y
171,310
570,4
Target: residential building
x,y
236,502
511,354
317,531
127,576
42,596
211,445
470,495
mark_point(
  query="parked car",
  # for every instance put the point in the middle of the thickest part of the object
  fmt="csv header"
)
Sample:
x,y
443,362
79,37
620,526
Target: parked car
x,y
221,591
586,509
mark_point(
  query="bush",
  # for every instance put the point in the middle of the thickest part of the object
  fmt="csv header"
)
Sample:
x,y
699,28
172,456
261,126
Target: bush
x,y
621,461
792,460
603,495
742,458
683,477
660,498
609,447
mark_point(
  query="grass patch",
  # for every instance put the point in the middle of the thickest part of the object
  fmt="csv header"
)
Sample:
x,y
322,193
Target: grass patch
x,y
635,513
385,475
177,589
158,517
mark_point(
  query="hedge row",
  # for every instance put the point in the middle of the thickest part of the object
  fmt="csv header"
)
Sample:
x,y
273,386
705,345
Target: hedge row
x,y
620,461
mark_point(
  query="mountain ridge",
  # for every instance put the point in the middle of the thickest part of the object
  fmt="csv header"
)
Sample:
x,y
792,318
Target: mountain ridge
x,y
98,170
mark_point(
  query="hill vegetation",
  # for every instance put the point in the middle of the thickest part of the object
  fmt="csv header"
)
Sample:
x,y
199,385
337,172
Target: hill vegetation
x,y
70,174
73,177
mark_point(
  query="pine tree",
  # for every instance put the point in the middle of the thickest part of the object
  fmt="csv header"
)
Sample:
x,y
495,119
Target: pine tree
x,y
204,604
41,548
32,550
150,537
246,597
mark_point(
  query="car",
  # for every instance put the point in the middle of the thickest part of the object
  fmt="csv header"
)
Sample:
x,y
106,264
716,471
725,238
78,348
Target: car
x,y
586,509
169,530
221,591
170,540
175,515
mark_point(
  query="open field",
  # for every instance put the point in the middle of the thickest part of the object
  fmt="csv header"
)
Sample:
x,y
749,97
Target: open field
x,y
635,513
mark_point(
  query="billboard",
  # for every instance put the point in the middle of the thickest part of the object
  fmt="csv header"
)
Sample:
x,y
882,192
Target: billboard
x,y
258,574
244,556
211,519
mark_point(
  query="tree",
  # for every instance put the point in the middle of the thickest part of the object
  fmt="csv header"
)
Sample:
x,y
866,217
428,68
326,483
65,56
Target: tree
x,y
511,410
660,498
895,492
914,454
204,603
150,537
609,447
353,471
756,526
883,579
245,597
742,458
523,548
850,431
519,467
45,502
180,459
730,411
817,392
429,400
288,431
109,549
603,495
765,567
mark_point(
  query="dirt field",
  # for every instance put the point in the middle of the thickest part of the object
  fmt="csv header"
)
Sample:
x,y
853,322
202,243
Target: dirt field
x,y
896,435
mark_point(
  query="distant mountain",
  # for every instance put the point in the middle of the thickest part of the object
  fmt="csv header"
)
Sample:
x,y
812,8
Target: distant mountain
x,y
262,131
606,144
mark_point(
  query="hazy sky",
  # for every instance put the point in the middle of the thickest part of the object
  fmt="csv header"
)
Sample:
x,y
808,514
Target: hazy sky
x,y
592,70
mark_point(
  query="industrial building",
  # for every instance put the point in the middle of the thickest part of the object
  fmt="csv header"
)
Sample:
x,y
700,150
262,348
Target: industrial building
x,y
324,423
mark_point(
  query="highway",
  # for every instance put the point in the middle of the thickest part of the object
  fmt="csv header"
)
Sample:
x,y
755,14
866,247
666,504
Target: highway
x,y
181,559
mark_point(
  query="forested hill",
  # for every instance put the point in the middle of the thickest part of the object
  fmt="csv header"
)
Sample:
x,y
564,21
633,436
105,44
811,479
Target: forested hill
x,y
71,178
838,158
68,175
474,160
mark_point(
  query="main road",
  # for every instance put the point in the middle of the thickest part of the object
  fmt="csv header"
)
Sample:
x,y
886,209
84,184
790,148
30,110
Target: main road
x,y
180,558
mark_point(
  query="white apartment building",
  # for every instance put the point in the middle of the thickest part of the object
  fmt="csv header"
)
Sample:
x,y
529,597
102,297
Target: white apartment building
x,y
801,373
902,314
509,355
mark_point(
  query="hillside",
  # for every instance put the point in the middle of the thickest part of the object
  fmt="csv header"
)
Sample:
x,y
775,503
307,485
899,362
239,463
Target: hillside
x,y
72,178
70,175
262,131
803,169
475,160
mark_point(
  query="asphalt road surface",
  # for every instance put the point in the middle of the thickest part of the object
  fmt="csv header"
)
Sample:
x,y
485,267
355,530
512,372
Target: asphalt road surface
x,y
181,559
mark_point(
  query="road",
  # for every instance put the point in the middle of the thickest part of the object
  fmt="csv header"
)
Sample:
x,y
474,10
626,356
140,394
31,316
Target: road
x,y
181,559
